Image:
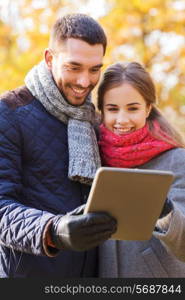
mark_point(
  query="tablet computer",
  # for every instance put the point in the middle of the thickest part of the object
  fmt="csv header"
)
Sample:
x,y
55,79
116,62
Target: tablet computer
x,y
135,197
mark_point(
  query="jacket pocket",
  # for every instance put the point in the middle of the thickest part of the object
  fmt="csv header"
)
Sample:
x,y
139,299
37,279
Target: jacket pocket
x,y
154,264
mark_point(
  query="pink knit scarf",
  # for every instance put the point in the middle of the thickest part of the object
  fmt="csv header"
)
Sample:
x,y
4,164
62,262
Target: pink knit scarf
x,y
130,150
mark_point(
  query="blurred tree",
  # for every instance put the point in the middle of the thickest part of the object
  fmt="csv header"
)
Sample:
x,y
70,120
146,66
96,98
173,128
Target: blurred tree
x,y
24,33
151,32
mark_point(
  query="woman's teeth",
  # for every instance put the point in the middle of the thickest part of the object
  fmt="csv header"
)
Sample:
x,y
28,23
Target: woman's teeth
x,y
123,130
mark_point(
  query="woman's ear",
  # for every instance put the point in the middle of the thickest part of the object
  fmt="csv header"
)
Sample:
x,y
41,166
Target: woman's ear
x,y
48,56
149,108
102,116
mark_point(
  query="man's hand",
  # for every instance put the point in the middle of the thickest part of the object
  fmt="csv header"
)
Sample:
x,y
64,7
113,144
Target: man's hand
x,y
80,232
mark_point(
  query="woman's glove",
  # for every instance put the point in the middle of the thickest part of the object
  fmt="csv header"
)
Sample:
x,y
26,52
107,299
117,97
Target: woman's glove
x,y
80,232
167,208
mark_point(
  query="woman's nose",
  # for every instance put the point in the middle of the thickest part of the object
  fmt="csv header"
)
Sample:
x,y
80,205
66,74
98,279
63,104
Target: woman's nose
x,y
122,118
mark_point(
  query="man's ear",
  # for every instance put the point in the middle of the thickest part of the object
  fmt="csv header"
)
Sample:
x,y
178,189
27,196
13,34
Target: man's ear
x,y
48,56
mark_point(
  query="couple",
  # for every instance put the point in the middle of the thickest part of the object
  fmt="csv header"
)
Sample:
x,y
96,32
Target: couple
x,y
50,145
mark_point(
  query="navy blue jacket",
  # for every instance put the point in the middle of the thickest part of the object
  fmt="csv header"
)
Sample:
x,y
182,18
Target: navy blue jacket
x,y
34,186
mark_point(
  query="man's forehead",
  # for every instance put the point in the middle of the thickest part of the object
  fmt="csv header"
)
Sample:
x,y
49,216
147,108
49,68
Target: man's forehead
x,y
76,51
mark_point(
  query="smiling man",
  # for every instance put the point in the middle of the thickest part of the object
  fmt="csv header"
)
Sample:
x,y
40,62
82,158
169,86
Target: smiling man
x,y
49,156
75,66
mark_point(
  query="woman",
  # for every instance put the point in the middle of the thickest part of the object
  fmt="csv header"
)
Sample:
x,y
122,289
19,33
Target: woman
x,y
134,133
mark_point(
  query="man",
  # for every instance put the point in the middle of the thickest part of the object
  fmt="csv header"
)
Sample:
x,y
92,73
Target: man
x,y
49,156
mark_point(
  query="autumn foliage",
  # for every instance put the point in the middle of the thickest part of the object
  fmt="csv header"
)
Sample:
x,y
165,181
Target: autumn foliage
x,y
151,32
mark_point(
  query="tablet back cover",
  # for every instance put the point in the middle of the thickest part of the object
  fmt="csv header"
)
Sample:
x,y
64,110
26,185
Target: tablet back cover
x,y
135,197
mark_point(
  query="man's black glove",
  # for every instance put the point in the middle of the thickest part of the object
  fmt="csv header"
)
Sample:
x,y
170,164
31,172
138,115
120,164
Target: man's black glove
x,y
80,232
167,208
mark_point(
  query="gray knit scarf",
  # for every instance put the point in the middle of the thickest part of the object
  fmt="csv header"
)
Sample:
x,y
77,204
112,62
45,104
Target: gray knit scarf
x,y
84,158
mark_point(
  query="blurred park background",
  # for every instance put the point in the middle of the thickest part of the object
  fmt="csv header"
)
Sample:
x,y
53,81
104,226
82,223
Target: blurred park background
x,y
151,32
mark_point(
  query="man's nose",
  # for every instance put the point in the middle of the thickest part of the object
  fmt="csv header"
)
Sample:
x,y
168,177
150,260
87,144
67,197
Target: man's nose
x,y
83,80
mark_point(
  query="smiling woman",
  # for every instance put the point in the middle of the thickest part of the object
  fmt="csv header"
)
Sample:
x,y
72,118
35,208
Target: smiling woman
x,y
124,109
127,100
134,134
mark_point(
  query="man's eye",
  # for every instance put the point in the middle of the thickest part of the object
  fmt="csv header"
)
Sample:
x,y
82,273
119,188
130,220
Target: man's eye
x,y
95,70
71,68
74,68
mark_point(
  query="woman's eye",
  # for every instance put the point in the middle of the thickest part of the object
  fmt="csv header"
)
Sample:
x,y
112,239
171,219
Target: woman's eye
x,y
133,108
112,109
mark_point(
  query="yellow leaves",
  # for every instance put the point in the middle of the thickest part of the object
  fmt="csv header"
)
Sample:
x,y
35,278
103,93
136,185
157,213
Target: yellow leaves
x,y
19,52
149,31
153,33
5,36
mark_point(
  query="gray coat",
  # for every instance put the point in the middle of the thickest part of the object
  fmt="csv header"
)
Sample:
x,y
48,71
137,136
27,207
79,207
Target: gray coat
x,y
164,254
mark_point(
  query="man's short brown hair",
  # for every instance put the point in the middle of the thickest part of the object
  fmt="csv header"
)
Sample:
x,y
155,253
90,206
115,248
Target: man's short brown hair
x,y
78,26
